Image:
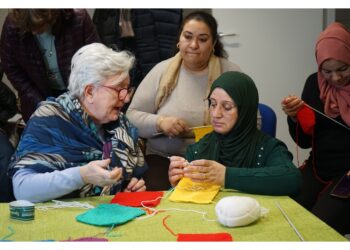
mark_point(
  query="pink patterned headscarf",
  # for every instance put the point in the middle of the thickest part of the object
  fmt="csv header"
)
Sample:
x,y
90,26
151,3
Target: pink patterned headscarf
x,y
334,43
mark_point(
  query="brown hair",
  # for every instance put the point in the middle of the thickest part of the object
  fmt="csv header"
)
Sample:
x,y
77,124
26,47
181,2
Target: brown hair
x,y
28,20
210,21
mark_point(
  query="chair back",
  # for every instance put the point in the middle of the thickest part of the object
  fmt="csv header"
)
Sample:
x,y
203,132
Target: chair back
x,y
268,119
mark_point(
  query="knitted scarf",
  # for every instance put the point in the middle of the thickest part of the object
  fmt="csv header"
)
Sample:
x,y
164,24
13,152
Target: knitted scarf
x,y
61,135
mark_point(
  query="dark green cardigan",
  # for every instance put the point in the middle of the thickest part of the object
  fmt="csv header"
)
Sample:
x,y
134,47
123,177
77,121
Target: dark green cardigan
x,y
274,172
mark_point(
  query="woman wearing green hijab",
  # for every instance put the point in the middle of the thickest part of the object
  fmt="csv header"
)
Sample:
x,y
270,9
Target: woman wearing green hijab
x,y
236,154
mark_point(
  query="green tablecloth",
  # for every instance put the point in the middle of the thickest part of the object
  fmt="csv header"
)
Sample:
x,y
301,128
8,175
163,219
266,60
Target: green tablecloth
x,y
60,224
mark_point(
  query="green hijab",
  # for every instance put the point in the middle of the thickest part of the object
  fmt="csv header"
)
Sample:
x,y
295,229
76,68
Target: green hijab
x,y
239,147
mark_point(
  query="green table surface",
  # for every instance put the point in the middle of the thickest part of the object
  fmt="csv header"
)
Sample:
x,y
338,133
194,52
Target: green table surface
x,y
60,224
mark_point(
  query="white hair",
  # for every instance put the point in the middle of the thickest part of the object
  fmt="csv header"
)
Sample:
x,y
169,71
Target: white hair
x,y
94,63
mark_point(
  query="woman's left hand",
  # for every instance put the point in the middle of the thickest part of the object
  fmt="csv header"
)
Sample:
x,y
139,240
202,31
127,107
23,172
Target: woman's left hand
x,y
135,185
206,171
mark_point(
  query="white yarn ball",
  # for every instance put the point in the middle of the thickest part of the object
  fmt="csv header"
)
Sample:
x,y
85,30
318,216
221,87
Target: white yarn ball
x,y
235,211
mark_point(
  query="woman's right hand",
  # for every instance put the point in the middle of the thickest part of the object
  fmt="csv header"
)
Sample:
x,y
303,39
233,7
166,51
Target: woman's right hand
x,y
176,167
172,126
96,173
291,105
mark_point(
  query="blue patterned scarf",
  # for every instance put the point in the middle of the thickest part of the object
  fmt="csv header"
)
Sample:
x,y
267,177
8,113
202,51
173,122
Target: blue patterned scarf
x,y
61,135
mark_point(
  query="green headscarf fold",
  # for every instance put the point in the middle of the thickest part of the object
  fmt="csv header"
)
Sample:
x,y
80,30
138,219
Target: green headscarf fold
x,y
239,147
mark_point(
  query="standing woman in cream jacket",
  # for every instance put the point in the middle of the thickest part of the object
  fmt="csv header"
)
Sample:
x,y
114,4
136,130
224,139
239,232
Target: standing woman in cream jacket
x,y
169,100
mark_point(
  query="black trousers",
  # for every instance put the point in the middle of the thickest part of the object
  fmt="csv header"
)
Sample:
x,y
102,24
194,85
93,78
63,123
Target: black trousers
x,y
315,196
156,177
6,151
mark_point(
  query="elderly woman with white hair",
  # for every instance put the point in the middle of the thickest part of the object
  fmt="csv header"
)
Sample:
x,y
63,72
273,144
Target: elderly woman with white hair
x,y
80,143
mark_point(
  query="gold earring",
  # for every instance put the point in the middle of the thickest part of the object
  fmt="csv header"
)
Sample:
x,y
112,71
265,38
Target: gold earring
x,y
178,45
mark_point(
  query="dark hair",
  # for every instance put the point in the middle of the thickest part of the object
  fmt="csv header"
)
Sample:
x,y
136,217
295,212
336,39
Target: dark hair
x,y
28,19
210,21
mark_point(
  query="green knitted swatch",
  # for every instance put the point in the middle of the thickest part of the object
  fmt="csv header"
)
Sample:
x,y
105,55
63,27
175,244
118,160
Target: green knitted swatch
x,y
109,214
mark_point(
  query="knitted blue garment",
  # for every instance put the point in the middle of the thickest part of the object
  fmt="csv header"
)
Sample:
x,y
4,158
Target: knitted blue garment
x,y
109,214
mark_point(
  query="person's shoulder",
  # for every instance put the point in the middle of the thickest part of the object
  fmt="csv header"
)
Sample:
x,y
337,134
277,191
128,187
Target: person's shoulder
x,y
311,83
9,25
228,65
312,78
49,107
160,67
163,64
270,143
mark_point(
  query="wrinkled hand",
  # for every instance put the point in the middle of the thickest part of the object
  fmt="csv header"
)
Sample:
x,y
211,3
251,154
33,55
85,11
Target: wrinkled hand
x,y
172,126
206,171
291,105
135,185
95,173
176,172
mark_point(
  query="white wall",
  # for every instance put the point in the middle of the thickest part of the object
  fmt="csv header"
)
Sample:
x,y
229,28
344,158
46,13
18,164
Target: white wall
x,y
276,48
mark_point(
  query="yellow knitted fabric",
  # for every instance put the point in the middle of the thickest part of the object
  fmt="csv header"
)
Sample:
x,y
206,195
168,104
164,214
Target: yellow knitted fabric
x,y
189,191
199,132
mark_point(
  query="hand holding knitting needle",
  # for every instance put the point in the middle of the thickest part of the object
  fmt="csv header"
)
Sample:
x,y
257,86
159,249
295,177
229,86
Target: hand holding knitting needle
x,y
291,105
172,126
205,171
95,172
176,166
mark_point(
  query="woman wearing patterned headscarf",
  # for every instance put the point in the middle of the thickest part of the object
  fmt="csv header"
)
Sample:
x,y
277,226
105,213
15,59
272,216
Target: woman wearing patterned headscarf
x,y
327,130
81,144
236,154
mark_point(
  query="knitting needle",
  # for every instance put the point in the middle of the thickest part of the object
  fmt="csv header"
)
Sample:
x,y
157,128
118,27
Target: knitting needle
x,y
192,128
330,118
289,222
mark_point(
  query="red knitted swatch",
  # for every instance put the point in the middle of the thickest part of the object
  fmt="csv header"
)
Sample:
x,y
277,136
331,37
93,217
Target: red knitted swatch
x,y
205,237
306,119
198,237
134,199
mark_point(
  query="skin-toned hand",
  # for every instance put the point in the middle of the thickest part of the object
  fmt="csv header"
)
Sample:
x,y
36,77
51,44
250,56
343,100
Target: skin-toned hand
x,y
176,172
135,185
206,171
291,105
172,126
95,172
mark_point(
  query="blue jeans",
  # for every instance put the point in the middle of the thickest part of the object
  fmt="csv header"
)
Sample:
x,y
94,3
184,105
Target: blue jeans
x,y
6,151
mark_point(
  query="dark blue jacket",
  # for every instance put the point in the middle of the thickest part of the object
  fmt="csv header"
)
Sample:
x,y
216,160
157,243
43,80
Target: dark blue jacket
x,y
156,34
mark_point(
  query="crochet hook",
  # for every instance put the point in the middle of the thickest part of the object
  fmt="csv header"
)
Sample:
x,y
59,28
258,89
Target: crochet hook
x,y
289,221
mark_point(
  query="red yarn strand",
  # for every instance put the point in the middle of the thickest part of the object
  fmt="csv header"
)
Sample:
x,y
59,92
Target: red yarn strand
x,y
166,226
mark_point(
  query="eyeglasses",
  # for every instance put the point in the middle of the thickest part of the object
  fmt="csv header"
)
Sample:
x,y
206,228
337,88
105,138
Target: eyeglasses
x,y
122,92
212,103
